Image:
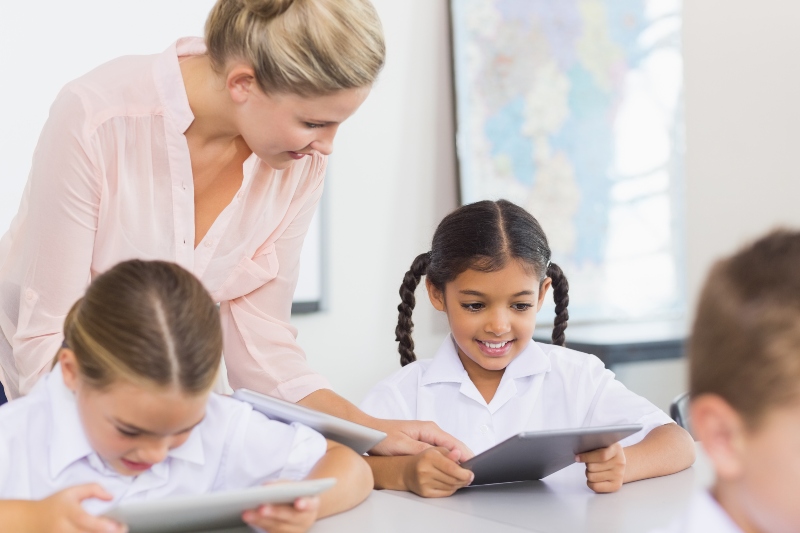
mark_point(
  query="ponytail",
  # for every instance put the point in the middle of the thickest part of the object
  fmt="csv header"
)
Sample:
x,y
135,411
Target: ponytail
x,y
561,297
407,302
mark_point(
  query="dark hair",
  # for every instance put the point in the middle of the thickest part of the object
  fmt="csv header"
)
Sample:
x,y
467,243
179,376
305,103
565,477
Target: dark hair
x,y
745,342
149,322
482,236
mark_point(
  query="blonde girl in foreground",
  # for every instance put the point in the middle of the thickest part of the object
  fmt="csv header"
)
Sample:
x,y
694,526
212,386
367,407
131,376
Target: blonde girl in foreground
x,y
489,270
127,414
744,355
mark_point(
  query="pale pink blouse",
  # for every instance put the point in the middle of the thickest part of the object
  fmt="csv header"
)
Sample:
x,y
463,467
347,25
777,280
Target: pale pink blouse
x,y
111,180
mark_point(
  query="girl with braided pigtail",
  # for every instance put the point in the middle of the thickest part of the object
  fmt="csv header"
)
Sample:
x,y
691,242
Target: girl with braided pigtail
x,y
489,270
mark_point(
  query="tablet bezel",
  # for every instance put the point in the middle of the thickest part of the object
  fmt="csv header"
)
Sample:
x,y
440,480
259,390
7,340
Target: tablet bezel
x,y
210,511
360,438
534,455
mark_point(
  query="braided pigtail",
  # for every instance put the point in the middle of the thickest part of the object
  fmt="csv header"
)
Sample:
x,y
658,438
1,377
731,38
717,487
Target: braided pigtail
x,y
561,297
407,302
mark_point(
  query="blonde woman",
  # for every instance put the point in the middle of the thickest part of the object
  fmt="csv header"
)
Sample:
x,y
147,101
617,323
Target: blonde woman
x,y
211,155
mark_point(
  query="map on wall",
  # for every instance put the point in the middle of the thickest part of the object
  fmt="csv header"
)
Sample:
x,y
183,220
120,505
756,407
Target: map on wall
x,y
573,109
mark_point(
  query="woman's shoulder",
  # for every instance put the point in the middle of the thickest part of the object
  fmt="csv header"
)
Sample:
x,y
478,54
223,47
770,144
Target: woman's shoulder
x,y
123,85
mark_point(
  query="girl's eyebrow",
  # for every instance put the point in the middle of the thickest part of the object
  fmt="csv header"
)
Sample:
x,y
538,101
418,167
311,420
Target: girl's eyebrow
x,y
133,428
477,293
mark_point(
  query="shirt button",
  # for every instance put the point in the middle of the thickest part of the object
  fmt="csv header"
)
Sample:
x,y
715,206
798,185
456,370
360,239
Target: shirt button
x,y
29,294
484,429
209,244
239,195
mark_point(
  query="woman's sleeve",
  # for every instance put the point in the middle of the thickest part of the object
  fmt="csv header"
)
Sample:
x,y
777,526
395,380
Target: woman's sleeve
x,y
49,258
260,345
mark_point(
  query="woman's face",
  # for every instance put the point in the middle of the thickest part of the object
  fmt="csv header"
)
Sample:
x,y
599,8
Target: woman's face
x,y
281,128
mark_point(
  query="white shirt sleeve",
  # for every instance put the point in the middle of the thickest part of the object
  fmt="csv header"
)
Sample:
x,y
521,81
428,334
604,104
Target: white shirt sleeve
x,y
614,404
385,401
264,450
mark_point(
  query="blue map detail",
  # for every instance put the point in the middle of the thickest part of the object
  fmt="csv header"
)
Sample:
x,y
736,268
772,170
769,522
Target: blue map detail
x,y
504,131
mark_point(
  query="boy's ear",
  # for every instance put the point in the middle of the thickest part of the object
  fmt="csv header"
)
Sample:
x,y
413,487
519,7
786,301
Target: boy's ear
x,y
722,432
435,295
543,290
69,368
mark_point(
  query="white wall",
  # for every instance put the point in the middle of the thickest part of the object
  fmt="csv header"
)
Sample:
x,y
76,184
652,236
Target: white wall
x,y
392,177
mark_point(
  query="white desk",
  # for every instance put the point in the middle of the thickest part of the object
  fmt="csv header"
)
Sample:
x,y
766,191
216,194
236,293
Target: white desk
x,y
561,503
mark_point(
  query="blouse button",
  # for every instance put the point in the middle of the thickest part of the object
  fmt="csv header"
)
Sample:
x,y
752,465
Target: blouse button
x,y
29,294
484,429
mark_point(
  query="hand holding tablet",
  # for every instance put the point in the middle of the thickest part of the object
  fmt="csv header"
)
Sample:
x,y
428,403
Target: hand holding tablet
x,y
210,511
536,454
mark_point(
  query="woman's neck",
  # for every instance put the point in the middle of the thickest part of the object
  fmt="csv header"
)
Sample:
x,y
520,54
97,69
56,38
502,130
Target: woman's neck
x,y
486,381
209,101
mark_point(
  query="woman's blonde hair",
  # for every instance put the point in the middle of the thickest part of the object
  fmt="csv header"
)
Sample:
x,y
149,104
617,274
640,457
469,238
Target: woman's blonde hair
x,y
304,47
148,322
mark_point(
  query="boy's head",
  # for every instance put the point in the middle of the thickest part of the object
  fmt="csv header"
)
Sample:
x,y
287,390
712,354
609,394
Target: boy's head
x,y
745,381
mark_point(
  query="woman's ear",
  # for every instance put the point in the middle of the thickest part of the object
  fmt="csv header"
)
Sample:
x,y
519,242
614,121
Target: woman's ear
x,y
69,368
723,433
436,296
544,287
240,82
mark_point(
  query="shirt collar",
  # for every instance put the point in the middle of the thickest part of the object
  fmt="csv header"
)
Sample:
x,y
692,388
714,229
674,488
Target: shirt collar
x,y
447,368
71,444
169,81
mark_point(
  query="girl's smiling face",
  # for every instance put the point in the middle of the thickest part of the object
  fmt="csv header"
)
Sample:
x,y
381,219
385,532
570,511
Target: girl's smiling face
x,y
492,315
131,427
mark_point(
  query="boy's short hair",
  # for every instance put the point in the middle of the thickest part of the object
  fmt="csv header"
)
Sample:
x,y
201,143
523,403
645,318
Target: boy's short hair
x,y
745,343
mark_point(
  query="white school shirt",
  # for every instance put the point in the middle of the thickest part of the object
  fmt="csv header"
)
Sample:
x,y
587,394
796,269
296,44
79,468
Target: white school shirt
x,y
704,515
545,387
43,450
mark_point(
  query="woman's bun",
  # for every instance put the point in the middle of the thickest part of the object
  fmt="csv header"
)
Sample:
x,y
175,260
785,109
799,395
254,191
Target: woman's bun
x,y
267,9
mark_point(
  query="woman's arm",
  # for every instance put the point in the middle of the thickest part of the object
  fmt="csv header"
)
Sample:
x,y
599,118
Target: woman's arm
x,y
403,437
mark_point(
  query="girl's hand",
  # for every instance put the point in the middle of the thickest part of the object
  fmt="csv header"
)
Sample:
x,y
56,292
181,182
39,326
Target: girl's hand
x,y
62,512
296,518
435,473
605,468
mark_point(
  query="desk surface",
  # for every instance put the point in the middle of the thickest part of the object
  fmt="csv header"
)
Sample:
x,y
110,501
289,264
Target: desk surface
x,y
560,503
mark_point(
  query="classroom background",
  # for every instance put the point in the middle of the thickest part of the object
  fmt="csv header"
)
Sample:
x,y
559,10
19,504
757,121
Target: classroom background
x,y
393,175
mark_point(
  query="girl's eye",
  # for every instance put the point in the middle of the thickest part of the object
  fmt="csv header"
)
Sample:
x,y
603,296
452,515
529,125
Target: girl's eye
x,y
522,307
128,433
473,306
313,126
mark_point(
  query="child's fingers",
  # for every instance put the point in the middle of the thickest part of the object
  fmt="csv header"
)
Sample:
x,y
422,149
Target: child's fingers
x,y
92,490
307,503
604,487
450,468
98,524
599,456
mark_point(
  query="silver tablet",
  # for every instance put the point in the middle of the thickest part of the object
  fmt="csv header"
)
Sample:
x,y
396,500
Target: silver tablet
x,y
209,511
537,454
359,438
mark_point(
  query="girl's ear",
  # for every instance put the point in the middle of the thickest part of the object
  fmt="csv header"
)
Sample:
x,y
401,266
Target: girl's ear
x,y
69,368
723,433
435,295
544,287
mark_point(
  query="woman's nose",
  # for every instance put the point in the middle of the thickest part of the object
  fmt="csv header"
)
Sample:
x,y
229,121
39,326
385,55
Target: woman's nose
x,y
324,142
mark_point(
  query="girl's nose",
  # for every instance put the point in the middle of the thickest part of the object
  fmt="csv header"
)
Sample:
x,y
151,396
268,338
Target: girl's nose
x,y
498,324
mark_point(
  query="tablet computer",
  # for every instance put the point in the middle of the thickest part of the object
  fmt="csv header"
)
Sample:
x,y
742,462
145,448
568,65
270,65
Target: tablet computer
x,y
209,511
537,454
359,438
